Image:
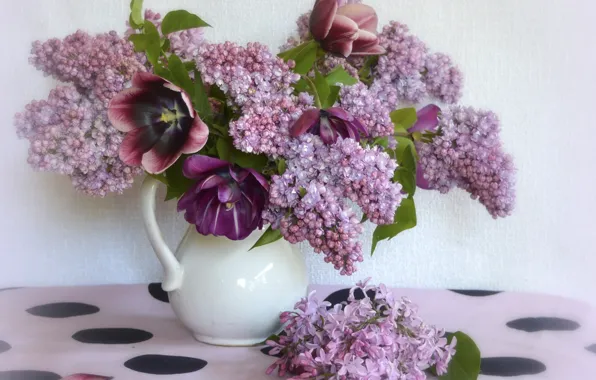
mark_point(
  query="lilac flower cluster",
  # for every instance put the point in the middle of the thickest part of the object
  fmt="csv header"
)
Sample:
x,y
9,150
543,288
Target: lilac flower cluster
x,y
314,186
371,106
414,72
69,134
372,336
468,154
260,85
101,64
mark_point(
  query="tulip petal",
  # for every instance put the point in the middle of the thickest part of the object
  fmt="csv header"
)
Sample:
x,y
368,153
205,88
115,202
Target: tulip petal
x,y
259,177
321,18
360,127
147,80
197,136
121,109
188,102
206,212
327,132
340,113
342,28
234,222
195,166
421,182
372,50
366,44
428,119
156,163
85,376
363,15
188,198
239,174
136,143
228,193
305,122
209,182
343,47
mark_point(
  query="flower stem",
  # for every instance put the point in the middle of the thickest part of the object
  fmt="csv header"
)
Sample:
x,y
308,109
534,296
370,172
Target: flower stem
x,y
314,90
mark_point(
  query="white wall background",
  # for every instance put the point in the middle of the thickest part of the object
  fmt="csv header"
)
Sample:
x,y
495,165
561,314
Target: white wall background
x,y
531,61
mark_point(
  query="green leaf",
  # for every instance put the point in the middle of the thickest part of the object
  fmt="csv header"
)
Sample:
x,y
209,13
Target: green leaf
x,y
405,218
190,66
216,93
177,182
281,166
292,53
381,141
224,149
332,98
364,218
465,364
160,177
269,236
407,178
181,77
302,192
201,99
152,44
139,42
408,158
251,161
405,117
165,46
306,58
136,14
161,71
402,144
322,88
301,86
176,21
365,73
340,75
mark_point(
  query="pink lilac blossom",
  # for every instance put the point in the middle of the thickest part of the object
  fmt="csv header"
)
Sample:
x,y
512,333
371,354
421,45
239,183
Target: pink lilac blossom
x,y
468,154
415,72
102,64
371,336
328,174
443,80
69,133
371,106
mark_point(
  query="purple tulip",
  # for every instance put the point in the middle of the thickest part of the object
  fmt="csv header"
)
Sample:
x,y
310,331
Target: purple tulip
x,y
226,200
427,119
160,123
329,124
350,29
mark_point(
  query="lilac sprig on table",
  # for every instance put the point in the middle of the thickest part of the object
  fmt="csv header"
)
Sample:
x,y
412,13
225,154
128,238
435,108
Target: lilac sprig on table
x,y
371,336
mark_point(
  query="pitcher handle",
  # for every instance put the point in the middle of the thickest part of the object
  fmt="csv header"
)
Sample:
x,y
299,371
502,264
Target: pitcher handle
x,y
173,271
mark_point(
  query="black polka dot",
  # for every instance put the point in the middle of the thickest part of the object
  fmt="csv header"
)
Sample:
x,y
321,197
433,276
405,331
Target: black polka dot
x,y
158,293
28,375
266,352
475,293
510,366
112,336
592,348
543,324
165,365
4,346
342,295
63,310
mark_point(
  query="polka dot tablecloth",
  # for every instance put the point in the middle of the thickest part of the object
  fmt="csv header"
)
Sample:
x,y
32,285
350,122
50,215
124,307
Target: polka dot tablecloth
x,y
129,332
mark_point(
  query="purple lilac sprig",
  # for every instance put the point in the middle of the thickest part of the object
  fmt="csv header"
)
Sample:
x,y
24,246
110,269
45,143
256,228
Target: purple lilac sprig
x,y
69,133
468,154
307,200
372,336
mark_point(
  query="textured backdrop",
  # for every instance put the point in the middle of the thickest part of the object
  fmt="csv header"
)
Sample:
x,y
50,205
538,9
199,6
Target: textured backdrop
x,y
531,61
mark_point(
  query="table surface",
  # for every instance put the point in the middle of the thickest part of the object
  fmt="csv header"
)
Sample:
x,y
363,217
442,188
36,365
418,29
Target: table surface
x,y
129,332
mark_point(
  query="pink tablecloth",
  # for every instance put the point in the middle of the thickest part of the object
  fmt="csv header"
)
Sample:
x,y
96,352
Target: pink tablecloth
x,y
130,333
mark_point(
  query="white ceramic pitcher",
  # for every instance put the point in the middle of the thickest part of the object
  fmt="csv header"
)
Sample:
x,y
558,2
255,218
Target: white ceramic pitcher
x,y
222,292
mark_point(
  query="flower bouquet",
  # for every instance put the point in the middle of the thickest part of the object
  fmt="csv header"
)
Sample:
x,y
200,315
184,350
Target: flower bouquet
x,y
339,129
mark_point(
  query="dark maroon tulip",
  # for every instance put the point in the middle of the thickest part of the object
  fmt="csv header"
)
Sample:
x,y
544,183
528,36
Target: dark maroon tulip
x,y
85,376
329,124
226,200
160,123
427,119
350,29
